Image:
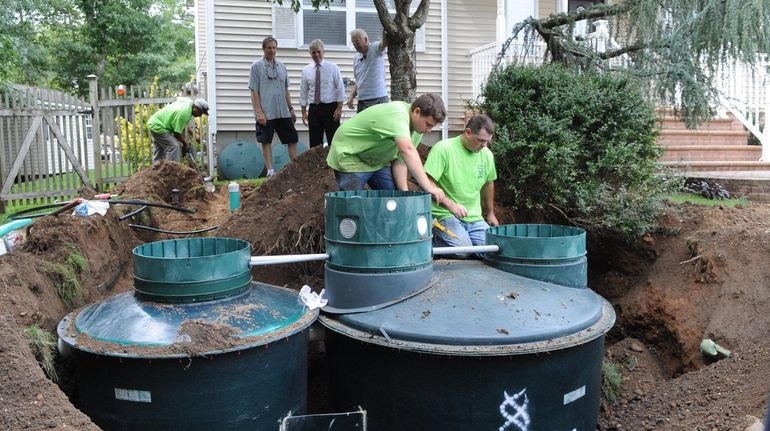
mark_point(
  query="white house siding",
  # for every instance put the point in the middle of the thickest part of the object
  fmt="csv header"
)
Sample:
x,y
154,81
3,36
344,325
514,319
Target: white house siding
x,y
471,24
240,26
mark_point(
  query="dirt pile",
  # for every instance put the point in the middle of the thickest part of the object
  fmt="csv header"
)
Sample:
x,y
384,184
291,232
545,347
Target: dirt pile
x,y
286,216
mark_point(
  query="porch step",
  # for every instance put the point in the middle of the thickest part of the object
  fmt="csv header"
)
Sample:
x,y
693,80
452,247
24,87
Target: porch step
x,y
702,137
687,153
729,123
717,165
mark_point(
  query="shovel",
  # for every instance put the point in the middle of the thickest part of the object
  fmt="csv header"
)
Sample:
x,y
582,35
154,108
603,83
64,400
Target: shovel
x,y
208,185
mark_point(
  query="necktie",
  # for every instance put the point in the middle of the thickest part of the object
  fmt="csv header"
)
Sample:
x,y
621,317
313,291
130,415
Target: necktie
x,y
317,98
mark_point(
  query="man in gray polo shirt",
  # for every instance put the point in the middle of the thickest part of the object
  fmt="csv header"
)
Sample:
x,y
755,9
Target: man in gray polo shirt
x,y
368,71
270,98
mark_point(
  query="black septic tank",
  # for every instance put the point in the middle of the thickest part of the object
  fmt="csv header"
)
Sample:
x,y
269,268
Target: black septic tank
x,y
480,349
198,346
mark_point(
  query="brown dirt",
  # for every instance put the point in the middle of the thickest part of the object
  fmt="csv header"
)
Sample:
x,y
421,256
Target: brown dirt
x,y
703,274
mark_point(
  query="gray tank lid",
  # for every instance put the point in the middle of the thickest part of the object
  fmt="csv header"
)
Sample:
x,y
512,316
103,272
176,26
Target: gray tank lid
x,y
474,308
258,316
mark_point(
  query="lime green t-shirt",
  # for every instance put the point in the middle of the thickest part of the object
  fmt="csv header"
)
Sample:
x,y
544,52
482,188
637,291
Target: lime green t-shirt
x,y
461,174
172,118
367,142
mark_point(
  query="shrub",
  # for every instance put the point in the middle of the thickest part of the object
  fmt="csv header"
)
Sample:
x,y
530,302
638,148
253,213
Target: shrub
x,y
583,144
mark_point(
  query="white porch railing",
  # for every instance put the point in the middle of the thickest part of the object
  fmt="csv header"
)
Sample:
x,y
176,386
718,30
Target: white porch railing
x,y
744,90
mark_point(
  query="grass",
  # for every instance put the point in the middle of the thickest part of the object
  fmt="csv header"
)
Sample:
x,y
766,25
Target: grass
x,y
612,381
680,198
66,276
43,345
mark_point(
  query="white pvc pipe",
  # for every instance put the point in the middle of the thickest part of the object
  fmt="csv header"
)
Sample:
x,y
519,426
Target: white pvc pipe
x,y
467,249
296,258
286,258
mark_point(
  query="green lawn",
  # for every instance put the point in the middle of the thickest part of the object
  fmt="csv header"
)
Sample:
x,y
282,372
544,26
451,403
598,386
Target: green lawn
x,y
679,198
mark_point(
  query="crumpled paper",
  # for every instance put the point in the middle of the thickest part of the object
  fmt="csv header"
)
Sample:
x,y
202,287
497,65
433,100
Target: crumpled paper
x,y
311,299
87,208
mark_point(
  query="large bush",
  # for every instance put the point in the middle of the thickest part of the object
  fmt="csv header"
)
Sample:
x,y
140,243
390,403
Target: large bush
x,y
583,144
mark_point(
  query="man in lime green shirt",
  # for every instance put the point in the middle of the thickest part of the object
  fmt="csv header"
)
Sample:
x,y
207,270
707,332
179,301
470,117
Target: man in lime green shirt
x,y
167,127
378,145
464,168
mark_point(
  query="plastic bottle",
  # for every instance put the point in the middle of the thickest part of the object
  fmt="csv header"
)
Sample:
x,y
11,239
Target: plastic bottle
x,y
235,196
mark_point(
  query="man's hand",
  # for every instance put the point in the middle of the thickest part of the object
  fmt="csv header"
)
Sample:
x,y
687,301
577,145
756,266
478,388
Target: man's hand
x,y
350,103
261,119
337,113
293,116
458,210
438,195
304,117
492,219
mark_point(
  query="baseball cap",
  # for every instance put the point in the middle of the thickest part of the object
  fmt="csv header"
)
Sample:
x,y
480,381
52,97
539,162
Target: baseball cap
x,y
202,105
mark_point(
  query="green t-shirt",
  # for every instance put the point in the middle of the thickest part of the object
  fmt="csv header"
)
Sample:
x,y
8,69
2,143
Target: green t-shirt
x,y
367,142
461,174
172,118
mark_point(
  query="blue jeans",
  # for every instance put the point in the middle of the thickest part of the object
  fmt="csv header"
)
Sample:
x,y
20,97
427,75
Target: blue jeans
x,y
381,179
465,234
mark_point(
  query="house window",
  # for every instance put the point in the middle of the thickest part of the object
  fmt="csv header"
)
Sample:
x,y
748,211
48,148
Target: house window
x,y
328,25
333,24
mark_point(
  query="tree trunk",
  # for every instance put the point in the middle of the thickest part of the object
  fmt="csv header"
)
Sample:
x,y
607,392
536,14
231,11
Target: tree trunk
x,y
403,73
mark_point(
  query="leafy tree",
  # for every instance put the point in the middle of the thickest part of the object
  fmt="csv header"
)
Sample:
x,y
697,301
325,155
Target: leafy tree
x,y
676,46
58,43
399,30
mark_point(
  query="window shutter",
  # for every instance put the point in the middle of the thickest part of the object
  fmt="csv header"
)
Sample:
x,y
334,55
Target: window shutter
x,y
285,25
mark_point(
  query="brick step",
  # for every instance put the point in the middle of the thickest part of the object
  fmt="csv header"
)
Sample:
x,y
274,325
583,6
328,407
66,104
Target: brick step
x,y
714,166
711,152
702,137
671,123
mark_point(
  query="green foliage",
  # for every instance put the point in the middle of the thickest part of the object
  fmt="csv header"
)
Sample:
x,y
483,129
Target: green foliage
x,y
136,144
43,346
612,381
583,144
58,43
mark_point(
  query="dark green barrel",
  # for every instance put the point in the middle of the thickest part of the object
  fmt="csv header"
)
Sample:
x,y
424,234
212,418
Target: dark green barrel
x,y
238,362
379,247
546,252
480,350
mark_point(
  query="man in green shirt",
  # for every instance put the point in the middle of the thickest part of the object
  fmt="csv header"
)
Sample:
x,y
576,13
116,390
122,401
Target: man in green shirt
x,y
378,145
168,125
464,168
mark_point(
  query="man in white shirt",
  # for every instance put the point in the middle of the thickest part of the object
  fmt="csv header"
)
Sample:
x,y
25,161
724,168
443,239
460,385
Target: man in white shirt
x,y
321,95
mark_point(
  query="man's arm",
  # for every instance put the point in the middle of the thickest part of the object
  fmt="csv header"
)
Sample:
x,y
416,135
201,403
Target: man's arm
x,y
256,103
304,89
288,103
412,160
458,210
353,95
383,41
488,203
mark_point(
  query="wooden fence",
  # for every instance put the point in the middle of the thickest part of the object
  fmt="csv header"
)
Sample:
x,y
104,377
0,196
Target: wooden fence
x,y
53,144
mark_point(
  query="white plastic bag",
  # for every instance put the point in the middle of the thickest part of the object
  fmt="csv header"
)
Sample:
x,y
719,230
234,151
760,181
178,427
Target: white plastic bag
x,y
311,299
